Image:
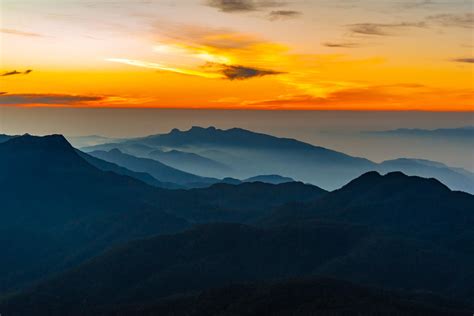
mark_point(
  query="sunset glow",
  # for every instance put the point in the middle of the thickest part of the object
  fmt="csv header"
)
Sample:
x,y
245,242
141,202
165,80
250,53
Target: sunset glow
x,y
311,55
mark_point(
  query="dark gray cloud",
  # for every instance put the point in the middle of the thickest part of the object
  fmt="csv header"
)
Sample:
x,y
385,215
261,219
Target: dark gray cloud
x,y
14,72
232,6
283,15
235,72
469,60
381,29
341,44
465,20
16,99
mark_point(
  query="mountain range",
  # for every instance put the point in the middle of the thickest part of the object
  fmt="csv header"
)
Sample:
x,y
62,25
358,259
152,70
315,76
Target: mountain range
x,y
58,207
241,154
80,235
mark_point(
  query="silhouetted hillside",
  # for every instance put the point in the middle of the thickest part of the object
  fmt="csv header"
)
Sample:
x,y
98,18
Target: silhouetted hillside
x,y
455,178
221,254
190,162
142,176
155,168
58,209
421,207
4,138
272,178
302,297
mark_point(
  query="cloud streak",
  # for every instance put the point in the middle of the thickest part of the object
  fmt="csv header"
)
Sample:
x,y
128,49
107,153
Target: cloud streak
x,y
237,72
381,29
465,20
394,97
469,60
283,15
47,99
236,6
341,44
150,65
20,33
211,70
14,72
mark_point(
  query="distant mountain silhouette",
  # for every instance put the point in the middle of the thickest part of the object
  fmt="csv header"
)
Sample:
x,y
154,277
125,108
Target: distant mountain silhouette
x,y
155,168
190,162
90,140
248,154
274,179
108,166
455,178
466,132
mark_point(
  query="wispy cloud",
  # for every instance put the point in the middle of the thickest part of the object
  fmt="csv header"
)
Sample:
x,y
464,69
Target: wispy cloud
x,y
211,70
14,72
465,20
341,44
394,97
211,53
283,15
232,6
151,65
381,29
75,100
469,60
20,33
237,72
45,99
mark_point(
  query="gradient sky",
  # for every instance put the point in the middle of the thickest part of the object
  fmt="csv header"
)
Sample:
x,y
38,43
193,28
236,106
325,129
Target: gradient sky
x,y
239,54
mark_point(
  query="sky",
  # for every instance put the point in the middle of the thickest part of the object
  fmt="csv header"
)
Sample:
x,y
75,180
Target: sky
x,y
362,55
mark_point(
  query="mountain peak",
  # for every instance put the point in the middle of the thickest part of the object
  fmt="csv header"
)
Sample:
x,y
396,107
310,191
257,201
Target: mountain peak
x,y
201,129
393,181
55,141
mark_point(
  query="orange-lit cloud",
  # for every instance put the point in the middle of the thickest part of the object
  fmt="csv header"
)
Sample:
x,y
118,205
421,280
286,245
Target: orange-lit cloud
x,y
396,97
150,65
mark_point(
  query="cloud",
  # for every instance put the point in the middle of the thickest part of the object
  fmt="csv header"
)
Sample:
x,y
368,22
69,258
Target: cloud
x,y
47,99
382,97
465,20
235,6
283,15
212,53
14,72
469,60
210,70
20,33
151,65
341,44
237,72
380,29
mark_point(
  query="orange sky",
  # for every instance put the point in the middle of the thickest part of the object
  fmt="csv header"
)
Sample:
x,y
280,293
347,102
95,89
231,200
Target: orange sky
x,y
338,55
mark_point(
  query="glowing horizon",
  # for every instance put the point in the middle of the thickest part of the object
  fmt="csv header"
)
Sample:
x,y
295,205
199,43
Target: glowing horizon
x,y
265,55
